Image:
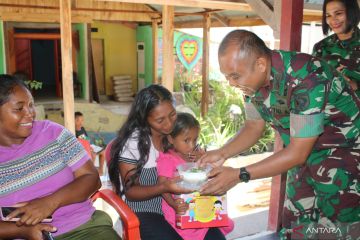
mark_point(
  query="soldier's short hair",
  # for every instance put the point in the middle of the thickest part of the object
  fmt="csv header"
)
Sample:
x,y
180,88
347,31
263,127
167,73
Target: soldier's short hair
x,y
248,44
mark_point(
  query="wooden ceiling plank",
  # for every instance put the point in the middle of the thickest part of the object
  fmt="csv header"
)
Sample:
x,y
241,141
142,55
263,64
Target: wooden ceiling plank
x,y
193,3
236,22
16,5
223,20
311,18
42,17
263,11
88,11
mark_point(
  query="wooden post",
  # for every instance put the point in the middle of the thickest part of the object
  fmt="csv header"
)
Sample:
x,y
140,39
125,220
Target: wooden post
x,y
277,17
91,72
155,50
291,24
290,39
67,68
277,194
168,44
205,65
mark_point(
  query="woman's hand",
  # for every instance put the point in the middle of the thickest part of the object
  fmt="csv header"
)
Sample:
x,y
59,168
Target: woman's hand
x,y
180,206
340,68
352,83
33,212
171,186
214,157
35,232
221,180
8,230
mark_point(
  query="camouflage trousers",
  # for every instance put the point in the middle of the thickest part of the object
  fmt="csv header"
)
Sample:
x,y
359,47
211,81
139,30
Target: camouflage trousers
x,y
325,192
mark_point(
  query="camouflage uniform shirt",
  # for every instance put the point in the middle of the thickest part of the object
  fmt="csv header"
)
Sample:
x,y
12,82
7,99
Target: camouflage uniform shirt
x,y
337,52
307,98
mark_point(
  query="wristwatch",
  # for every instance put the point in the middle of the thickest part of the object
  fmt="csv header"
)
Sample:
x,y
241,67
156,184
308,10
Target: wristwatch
x,y
244,175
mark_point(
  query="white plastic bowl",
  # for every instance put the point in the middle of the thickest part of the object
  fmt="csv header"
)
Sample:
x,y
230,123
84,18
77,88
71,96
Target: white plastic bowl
x,y
193,177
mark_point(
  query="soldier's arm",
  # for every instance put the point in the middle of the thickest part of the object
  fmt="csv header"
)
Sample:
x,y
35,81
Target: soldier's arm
x,y
295,154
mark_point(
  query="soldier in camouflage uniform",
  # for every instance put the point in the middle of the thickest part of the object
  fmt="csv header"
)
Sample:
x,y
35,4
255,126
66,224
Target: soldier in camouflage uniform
x,y
318,118
341,49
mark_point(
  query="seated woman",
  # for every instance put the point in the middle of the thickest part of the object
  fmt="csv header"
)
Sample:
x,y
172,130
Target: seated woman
x,y
44,171
132,169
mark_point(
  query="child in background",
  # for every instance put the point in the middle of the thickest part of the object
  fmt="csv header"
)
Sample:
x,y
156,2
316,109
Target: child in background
x,y
180,147
80,132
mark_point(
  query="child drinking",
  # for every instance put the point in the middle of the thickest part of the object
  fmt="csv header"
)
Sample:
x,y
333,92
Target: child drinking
x,y
180,147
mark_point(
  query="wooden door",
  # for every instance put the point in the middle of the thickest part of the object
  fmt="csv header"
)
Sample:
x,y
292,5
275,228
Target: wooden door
x,y
23,57
98,58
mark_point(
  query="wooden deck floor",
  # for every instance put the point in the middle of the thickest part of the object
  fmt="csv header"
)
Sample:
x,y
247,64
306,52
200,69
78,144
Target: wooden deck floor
x,y
247,198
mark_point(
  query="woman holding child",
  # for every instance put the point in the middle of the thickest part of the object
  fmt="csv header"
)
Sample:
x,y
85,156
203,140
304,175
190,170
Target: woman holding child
x,y
134,157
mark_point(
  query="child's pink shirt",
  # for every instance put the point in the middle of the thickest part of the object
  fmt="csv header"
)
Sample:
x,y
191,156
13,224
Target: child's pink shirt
x,y
166,167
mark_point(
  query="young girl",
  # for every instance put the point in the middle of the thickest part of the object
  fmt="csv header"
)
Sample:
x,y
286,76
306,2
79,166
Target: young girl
x,y
180,147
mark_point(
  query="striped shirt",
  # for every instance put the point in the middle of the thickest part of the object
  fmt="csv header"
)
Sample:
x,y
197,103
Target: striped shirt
x,y
41,165
148,175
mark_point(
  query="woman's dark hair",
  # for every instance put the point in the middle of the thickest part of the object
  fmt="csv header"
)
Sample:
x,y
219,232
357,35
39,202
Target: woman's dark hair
x,y
352,15
184,122
7,85
145,101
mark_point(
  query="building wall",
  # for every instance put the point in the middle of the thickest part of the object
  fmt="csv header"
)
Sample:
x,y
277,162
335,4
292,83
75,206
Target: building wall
x,y
144,34
119,51
82,59
2,49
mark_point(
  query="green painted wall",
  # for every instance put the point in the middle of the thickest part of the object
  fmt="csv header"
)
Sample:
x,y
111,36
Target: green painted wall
x,y
144,34
119,51
82,59
2,49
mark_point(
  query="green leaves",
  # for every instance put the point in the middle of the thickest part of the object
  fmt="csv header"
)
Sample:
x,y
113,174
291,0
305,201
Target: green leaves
x,y
225,117
33,84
